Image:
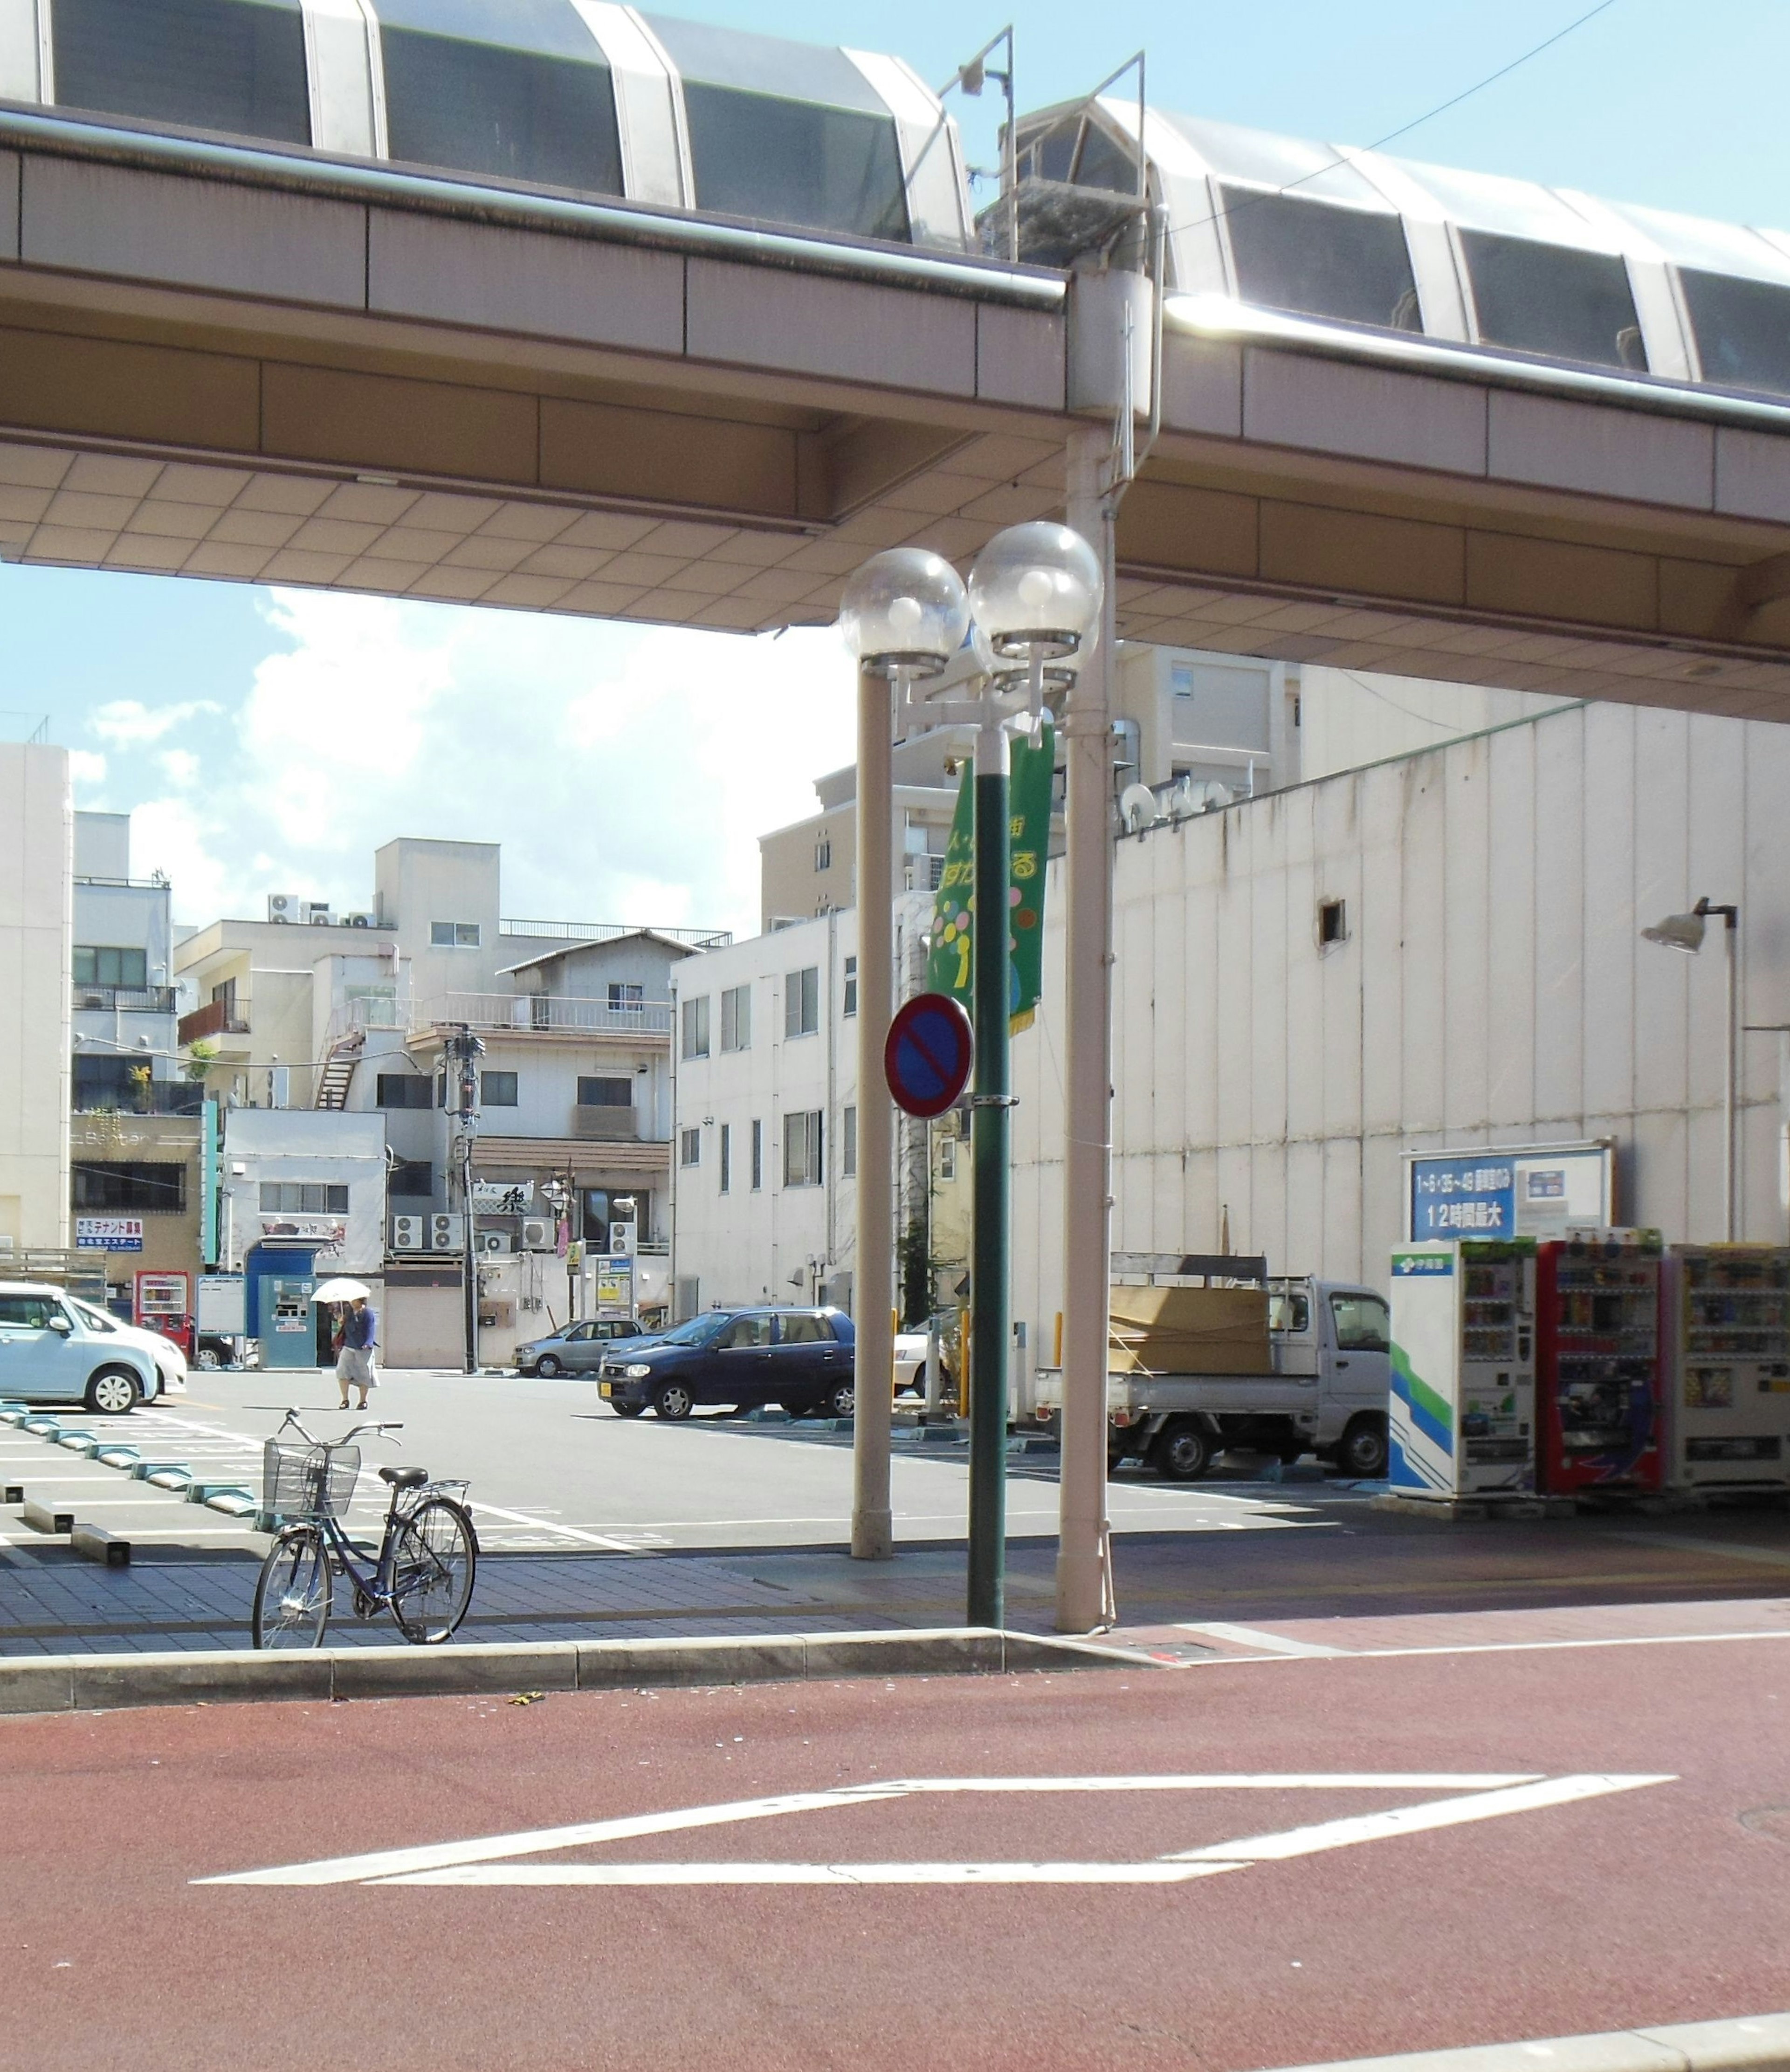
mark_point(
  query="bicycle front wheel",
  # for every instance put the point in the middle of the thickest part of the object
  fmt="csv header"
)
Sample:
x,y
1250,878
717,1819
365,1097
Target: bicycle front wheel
x,y
293,1595
432,1567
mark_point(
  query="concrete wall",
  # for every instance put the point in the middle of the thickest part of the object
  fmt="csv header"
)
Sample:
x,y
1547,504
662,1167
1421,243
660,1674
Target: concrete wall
x,y
307,1144
1350,718
36,916
1493,989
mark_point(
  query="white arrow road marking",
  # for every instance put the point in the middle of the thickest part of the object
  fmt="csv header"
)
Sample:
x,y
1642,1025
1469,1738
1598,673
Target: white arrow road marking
x,y
487,1860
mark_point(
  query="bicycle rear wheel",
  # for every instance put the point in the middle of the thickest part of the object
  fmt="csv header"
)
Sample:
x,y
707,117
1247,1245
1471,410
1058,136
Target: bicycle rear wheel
x,y
293,1592
434,1565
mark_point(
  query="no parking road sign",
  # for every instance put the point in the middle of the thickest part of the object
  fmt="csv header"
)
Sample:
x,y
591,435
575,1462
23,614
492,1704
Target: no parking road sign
x,y
928,1057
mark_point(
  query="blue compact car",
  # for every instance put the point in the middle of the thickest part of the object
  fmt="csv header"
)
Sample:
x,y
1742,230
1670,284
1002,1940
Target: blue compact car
x,y
801,1358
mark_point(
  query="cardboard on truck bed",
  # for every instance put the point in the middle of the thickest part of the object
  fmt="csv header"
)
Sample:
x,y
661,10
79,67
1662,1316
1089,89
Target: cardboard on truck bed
x,y
1191,1330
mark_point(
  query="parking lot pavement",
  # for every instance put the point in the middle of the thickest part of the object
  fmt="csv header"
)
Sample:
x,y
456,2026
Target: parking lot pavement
x,y
1255,1863
552,1470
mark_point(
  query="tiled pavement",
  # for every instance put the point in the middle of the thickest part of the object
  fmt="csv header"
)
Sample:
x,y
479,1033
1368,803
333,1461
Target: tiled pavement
x,y
1345,1578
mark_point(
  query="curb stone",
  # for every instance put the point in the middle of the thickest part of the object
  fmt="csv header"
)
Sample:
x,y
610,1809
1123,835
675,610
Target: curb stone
x,y
1751,2043
85,1683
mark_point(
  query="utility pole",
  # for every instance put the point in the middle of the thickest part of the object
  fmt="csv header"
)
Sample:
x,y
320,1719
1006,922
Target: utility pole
x,y
465,1049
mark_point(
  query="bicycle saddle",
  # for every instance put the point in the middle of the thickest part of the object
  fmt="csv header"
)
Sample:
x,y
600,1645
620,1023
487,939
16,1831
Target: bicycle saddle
x,y
404,1477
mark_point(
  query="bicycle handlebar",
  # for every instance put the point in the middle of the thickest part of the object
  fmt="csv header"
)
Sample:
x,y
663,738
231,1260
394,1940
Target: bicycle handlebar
x,y
292,1418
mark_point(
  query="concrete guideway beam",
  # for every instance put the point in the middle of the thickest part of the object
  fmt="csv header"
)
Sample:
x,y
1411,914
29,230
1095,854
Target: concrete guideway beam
x,y
220,363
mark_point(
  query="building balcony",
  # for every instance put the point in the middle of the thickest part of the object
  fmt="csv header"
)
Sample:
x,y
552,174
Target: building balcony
x,y
213,1019
156,1097
124,999
545,1014
606,1125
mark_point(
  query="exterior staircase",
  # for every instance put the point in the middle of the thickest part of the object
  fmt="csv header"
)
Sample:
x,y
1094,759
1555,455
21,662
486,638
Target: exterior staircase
x,y
337,1070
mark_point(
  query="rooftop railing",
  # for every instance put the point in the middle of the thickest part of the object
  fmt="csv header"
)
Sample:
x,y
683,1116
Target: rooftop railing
x,y
610,932
544,1013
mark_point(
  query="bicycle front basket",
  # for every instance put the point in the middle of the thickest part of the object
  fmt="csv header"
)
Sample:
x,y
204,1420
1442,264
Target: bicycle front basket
x,y
308,1481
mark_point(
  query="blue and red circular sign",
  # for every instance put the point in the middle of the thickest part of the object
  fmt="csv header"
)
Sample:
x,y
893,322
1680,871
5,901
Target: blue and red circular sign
x,y
928,1057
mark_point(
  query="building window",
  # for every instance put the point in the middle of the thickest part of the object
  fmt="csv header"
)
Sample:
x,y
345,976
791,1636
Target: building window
x,y
414,1178
802,1002
696,1028
801,1149
624,995
851,986
848,1144
823,853
758,1156
1332,922
497,1089
403,1090
1180,680
302,1197
605,1093
726,1157
947,1156
95,966
690,1147
736,1018
154,1185
454,935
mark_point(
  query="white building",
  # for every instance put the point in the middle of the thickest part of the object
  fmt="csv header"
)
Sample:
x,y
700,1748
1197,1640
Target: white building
x,y
308,1174
1439,952
766,1197
36,923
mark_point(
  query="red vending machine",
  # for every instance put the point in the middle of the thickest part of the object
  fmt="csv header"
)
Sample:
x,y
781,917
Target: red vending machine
x,y
164,1304
1600,1356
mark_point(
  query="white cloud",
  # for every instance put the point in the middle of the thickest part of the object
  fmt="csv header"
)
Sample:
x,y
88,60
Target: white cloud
x,y
629,771
86,766
128,722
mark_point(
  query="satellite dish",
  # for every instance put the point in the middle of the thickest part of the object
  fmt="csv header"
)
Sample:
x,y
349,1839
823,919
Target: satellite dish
x,y
1137,808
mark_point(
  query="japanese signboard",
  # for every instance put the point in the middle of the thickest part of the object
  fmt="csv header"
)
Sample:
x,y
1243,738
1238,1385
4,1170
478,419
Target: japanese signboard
x,y
951,967
502,1198
615,1287
1532,1191
108,1233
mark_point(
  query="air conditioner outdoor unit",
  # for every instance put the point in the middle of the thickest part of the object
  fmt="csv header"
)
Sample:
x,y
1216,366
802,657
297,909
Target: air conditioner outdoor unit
x,y
537,1235
494,1241
357,920
407,1234
284,906
444,1231
318,914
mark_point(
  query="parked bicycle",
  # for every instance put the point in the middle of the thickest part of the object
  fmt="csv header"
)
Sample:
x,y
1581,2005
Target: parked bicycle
x,y
422,1573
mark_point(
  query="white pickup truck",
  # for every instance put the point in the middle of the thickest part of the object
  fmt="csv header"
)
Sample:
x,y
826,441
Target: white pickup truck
x,y
1319,1385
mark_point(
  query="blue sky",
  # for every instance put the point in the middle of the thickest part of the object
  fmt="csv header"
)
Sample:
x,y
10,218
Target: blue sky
x,y
270,742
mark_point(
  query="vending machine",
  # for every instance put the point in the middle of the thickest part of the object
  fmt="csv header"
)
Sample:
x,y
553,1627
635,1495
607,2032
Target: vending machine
x,y
1463,1410
1727,1420
1600,1359
164,1303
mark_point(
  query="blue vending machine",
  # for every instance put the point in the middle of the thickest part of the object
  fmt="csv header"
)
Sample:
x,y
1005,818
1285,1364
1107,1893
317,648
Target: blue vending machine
x,y
282,1318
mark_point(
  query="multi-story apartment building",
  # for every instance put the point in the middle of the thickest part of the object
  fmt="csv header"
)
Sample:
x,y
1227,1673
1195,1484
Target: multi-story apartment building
x,y
352,1013
136,1125
767,1135
36,923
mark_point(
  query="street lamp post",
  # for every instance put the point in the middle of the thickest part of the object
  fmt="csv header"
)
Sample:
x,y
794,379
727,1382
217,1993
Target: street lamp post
x,y
1684,932
903,615
1036,589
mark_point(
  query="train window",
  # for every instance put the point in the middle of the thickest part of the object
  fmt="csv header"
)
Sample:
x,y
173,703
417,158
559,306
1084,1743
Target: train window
x,y
1319,260
1053,153
1742,328
519,89
786,133
1103,164
237,66
1551,299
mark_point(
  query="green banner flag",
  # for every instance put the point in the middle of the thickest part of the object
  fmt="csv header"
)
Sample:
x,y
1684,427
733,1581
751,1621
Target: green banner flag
x,y
950,968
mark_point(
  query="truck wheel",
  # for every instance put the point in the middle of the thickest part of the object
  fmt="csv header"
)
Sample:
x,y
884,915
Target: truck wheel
x,y
1182,1452
1361,1452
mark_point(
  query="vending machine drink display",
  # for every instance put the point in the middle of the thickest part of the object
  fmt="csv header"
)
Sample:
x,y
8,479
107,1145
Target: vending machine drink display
x,y
1599,1359
1463,1410
1728,1406
164,1303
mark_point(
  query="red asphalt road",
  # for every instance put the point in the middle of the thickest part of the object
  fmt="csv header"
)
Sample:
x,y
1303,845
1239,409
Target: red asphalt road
x,y
1665,1904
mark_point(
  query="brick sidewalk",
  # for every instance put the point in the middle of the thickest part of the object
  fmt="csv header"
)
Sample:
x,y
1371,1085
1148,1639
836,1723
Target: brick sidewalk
x,y
1361,1580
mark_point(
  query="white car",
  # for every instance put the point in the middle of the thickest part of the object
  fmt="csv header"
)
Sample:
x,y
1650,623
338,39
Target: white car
x,y
55,1348
910,1363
